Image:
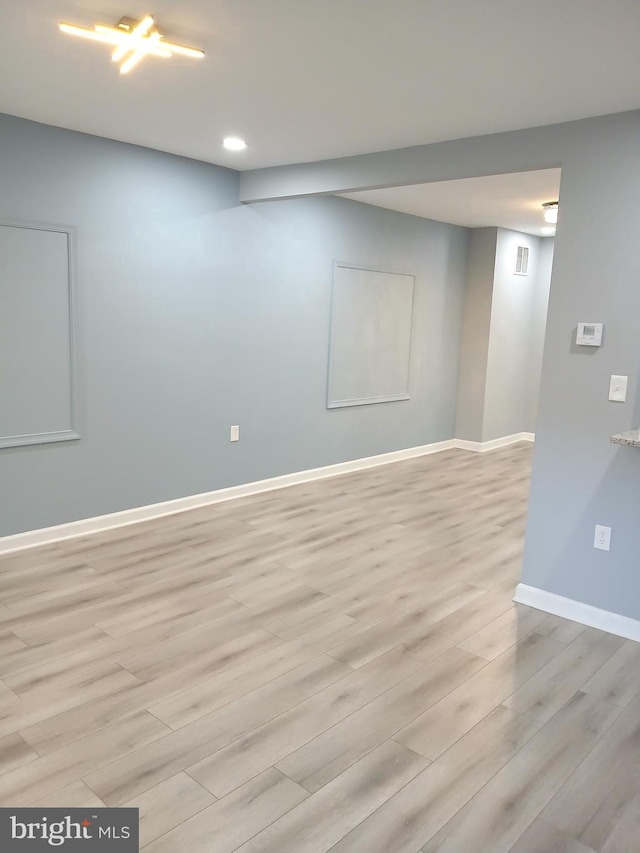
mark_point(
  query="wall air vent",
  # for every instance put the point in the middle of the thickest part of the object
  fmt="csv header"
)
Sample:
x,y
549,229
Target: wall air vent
x,y
522,261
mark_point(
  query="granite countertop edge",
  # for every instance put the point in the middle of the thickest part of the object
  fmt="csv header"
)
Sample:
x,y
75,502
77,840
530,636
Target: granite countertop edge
x,y
630,437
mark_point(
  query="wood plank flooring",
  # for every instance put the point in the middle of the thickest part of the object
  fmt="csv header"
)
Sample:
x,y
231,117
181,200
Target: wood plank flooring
x,y
336,666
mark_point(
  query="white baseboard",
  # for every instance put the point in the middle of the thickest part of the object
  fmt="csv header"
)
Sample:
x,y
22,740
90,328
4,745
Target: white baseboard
x,y
577,611
494,444
70,530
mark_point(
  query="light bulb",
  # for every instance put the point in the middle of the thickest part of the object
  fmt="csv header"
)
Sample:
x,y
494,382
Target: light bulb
x,y
551,212
234,143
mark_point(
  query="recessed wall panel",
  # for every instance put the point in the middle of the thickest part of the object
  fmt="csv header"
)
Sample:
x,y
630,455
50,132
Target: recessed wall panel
x,y
370,347
37,394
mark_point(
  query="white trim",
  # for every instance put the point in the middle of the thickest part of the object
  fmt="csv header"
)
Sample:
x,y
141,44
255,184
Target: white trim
x,y
494,444
578,611
72,529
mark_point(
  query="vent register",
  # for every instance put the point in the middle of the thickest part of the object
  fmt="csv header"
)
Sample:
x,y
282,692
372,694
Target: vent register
x,y
522,261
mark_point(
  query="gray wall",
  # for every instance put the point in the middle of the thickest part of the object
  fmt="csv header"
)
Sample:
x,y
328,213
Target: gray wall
x,y
538,325
579,478
504,317
196,312
510,341
476,325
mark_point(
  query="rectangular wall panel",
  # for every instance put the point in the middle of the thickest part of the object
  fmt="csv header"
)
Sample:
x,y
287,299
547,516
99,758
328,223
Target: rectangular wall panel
x,y
370,347
37,387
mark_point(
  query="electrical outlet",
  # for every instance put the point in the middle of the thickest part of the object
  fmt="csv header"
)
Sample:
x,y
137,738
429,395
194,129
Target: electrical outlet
x,y
602,539
234,433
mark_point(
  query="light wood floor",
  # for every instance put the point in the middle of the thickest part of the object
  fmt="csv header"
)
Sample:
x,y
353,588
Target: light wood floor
x,y
336,667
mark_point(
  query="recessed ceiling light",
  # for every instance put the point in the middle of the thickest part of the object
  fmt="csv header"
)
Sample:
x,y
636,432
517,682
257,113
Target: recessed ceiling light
x,y
234,143
133,40
550,212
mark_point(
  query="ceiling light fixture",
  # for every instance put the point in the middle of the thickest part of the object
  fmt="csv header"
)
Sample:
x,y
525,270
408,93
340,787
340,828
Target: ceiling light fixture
x,y
550,212
234,143
133,40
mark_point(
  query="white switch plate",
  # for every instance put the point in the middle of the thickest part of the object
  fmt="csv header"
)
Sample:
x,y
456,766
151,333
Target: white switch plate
x,y
234,433
602,539
618,389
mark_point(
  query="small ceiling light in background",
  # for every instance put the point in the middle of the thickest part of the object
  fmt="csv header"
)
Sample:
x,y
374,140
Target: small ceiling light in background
x,y
550,212
234,143
133,40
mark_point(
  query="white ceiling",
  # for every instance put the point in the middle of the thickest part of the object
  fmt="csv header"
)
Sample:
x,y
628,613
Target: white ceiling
x,y
303,80
511,201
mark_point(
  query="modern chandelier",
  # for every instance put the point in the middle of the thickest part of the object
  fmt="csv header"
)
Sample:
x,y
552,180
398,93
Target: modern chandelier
x,y
133,40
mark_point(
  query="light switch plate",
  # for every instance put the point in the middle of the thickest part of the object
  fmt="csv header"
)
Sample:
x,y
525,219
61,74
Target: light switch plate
x,y
618,389
234,433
